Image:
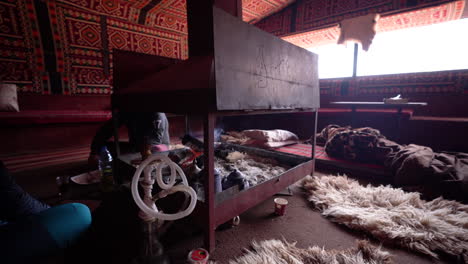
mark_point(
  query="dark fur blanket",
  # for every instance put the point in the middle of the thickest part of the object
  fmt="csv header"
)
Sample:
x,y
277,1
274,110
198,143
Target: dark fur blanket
x,y
437,173
441,173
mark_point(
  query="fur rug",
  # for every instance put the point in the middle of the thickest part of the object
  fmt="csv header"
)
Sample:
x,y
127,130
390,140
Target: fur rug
x,y
392,215
281,252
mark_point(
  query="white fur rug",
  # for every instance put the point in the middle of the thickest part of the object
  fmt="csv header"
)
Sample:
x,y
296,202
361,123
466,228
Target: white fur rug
x,y
392,215
280,252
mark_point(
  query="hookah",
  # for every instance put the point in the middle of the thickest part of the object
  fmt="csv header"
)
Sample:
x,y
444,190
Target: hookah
x,y
151,216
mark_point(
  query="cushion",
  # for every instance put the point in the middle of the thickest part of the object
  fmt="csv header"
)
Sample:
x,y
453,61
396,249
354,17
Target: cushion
x,y
8,98
275,135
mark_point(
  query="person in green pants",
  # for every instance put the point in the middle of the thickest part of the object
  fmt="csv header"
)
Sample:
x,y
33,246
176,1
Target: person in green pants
x,y
31,230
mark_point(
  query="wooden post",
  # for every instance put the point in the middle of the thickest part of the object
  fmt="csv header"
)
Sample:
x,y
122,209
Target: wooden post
x,y
314,140
200,23
210,223
117,175
233,7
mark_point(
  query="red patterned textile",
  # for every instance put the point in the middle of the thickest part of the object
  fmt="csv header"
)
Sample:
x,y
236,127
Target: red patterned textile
x,y
316,14
170,15
65,46
315,38
255,10
167,14
330,86
312,13
84,33
443,82
117,9
446,82
303,150
422,17
320,154
277,25
21,56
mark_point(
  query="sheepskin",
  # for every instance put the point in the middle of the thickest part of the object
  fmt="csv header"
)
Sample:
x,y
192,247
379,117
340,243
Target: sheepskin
x,y
282,252
392,215
255,169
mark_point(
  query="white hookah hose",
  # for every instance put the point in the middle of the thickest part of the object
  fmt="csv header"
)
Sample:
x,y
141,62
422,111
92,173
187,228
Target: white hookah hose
x,y
168,188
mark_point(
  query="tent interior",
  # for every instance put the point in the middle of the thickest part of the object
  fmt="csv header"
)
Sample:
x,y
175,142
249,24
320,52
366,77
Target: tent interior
x,y
373,90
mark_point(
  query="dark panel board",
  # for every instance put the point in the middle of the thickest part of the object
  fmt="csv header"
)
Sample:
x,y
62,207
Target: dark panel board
x,y
256,70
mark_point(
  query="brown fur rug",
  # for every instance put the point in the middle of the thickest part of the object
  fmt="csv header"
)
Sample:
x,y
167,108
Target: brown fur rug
x,y
392,215
282,252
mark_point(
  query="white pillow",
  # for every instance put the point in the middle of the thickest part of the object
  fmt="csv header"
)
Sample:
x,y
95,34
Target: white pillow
x,y
8,98
275,135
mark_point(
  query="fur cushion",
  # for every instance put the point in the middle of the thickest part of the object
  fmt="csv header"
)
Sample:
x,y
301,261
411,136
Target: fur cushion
x,y
8,98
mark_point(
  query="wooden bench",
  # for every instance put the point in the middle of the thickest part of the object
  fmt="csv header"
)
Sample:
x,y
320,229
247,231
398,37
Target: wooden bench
x,y
33,139
35,117
27,161
43,138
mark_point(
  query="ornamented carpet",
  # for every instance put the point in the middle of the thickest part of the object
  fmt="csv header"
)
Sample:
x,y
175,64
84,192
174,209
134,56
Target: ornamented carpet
x,y
392,215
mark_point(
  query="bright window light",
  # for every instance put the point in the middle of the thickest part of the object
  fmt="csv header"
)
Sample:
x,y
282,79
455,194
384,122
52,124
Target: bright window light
x,y
436,47
334,60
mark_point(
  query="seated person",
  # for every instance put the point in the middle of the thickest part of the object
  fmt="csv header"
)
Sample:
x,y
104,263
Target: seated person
x,y
31,230
148,132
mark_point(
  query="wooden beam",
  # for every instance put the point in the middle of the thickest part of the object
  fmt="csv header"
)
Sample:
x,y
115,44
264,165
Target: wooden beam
x,y
233,7
200,23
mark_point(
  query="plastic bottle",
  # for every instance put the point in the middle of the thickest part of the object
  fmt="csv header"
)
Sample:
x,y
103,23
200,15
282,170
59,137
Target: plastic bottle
x,y
105,167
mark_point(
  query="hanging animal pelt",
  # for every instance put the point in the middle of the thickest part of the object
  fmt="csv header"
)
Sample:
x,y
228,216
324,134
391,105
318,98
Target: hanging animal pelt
x,y
392,215
282,252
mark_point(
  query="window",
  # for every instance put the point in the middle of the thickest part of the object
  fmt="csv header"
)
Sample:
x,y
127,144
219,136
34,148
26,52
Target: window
x,y
335,60
436,47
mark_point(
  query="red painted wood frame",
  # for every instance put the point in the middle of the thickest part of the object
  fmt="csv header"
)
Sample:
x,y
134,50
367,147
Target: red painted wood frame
x,y
213,214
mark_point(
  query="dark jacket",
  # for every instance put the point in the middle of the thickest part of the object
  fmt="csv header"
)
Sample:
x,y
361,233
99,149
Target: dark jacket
x,y
143,128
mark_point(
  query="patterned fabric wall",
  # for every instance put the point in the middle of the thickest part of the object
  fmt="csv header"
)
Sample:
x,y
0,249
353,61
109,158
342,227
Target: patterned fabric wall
x,y
307,15
421,17
427,83
311,22
255,10
65,46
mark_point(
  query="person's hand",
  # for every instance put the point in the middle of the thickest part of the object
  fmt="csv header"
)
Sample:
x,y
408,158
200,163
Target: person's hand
x,y
145,151
160,148
93,161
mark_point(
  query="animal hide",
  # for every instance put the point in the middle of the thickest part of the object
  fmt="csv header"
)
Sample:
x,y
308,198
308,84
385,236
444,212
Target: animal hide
x,y
255,169
282,252
392,215
359,29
